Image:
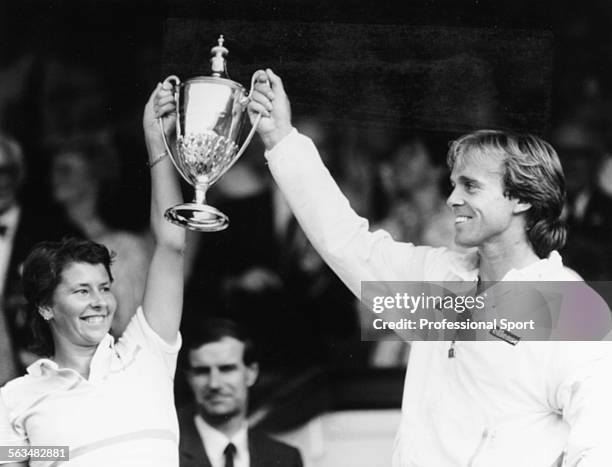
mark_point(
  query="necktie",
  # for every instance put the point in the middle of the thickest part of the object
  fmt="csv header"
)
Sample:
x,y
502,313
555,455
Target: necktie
x,y
229,452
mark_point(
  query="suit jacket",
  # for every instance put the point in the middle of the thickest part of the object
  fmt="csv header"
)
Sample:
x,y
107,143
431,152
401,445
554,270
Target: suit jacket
x,y
263,450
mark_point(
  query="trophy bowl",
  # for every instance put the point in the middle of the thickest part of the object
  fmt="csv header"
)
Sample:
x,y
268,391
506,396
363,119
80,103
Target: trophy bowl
x,y
210,119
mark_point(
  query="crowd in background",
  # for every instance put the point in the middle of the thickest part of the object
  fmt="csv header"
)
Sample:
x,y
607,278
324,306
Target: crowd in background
x,y
74,172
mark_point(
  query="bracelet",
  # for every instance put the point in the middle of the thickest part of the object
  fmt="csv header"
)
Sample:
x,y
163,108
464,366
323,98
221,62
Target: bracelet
x,y
157,159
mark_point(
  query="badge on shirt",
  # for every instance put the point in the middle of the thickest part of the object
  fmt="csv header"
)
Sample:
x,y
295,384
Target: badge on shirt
x,y
505,335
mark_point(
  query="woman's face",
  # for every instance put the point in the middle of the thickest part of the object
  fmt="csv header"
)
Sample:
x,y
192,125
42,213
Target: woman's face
x,y
71,179
83,306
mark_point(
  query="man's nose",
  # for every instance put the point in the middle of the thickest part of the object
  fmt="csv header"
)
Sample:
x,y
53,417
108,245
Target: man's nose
x,y
214,379
454,199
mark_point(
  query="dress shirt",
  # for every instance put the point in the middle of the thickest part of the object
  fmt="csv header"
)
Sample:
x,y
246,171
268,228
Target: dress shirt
x,y
9,219
215,443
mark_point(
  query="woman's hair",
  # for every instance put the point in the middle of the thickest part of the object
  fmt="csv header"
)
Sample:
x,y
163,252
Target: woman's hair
x,y
532,174
42,273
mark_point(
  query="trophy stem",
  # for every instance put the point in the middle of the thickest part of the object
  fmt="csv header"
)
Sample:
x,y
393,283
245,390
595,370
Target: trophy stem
x,y
198,215
200,194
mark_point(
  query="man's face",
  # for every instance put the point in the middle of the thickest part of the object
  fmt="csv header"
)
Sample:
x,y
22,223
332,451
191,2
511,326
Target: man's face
x,y
219,378
483,215
9,181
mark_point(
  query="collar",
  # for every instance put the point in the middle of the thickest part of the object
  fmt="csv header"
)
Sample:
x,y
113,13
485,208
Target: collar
x,y
10,217
466,266
215,441
99,366
544,269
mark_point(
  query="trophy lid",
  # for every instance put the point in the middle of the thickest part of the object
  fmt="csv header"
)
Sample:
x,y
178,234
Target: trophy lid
x,y
218,62
218,65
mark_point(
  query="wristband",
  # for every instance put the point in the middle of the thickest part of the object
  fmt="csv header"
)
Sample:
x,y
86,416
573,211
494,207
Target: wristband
x,y
157,159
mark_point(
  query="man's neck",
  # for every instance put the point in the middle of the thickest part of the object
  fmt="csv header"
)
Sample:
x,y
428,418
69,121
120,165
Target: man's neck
x,y
229,426
496,259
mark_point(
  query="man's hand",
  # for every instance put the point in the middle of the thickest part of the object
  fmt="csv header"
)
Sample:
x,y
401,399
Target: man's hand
x,y
270,100
161,103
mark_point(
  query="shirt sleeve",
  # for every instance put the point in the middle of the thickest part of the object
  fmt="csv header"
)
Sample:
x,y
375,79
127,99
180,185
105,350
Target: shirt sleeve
x,y
10,435
138,331
583,396
340,236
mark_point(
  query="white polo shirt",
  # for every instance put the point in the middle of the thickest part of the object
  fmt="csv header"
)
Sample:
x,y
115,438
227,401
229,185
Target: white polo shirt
x,y
123,415
535,404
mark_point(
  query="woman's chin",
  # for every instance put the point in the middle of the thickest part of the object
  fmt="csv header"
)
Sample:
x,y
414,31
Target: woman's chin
x,y
94,334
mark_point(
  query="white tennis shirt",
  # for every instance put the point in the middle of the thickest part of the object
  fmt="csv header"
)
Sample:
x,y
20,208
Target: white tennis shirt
x,y
123,415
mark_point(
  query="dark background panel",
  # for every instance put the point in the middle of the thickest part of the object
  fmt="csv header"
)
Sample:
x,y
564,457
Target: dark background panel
x,y
420,77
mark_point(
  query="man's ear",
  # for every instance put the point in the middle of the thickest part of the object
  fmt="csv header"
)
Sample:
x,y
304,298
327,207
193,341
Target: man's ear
x,y
252,373
520,207
46,312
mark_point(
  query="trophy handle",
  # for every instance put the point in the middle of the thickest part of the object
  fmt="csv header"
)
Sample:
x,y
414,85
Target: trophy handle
x,y
249,136
160,121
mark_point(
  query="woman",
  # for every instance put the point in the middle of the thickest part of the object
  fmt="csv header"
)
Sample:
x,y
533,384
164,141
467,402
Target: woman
x,y
110,403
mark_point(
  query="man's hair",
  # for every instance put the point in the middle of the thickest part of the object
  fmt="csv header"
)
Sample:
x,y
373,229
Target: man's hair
x,y
211,330
42,273
12,149
532,174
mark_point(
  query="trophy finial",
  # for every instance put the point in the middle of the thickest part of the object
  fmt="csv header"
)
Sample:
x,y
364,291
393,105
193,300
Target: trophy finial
x,y
218,65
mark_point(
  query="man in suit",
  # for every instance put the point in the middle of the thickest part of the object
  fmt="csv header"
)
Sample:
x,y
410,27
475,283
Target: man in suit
x,y
221,369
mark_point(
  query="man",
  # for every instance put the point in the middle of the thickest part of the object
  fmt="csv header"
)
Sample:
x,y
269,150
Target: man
x,y
468,403
221,369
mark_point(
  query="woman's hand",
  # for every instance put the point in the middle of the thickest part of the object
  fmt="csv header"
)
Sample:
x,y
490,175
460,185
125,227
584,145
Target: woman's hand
x,y
161,104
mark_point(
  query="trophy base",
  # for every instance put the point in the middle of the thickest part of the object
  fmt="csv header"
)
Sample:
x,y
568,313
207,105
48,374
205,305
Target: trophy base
x,y
198,217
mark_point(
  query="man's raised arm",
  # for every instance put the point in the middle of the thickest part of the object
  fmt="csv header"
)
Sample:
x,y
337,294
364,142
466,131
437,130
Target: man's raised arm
x,y
335,230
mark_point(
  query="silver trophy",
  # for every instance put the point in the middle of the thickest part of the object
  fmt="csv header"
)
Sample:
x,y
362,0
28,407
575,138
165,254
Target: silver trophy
x,y
210,119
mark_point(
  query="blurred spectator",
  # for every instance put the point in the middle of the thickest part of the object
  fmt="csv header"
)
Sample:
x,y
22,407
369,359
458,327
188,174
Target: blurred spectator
x,y
222,367
16,79
84,178
587,213
415,211
21,227
238,266
359,148
262,273
579,148
75,100
319,293
590,251
415,207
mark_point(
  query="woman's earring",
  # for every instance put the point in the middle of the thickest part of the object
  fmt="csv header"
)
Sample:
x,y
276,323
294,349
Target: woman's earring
x,y
46,314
